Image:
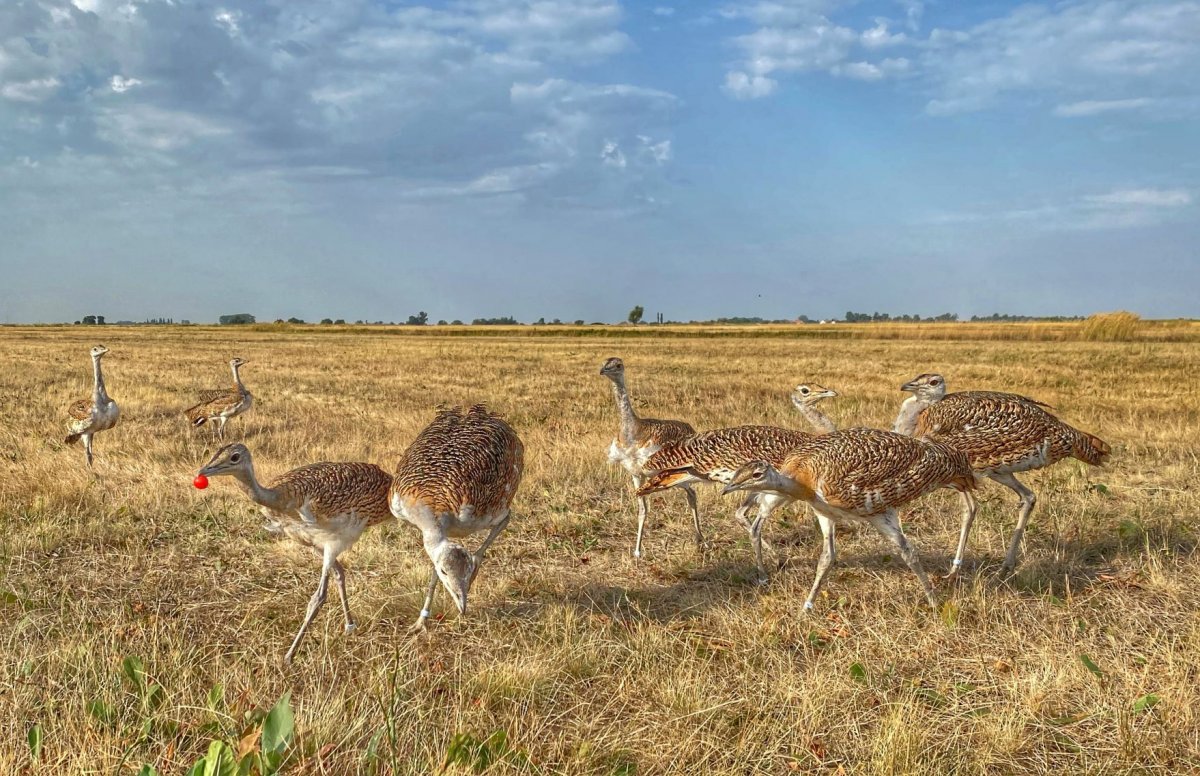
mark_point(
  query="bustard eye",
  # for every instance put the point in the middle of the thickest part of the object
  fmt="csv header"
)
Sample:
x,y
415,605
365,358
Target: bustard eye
x,y
804,391
935,381
235,457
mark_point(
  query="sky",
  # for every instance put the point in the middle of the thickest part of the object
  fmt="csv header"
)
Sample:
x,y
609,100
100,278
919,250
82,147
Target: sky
x,y
367,159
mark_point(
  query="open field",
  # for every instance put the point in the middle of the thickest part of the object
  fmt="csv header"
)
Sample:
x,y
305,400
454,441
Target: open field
x,y
590,663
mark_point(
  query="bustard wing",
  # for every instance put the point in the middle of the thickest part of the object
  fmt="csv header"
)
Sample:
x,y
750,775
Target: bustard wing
x,y
717,454
998,431
869,471
81,409
213,394
462,459
333,489
661,432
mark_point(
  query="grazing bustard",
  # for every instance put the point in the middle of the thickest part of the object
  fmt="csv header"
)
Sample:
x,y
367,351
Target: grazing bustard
x,y
325,506
714,456
457,478
639,438
91,416
1001,434
860,474
222,404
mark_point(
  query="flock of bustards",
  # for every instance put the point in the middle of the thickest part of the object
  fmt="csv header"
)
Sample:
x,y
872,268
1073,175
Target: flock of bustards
x,y
459,476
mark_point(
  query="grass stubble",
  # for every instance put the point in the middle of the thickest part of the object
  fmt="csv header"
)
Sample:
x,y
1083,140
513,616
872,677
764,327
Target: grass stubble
x,y
589,662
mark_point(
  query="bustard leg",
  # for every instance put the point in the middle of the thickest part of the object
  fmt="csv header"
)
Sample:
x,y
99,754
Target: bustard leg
x,y
766,505
314,604
740,515
969,508
828,557
1027,502
477,558
888,525
221,427
642,506
691,499
341,580
419,625
87,448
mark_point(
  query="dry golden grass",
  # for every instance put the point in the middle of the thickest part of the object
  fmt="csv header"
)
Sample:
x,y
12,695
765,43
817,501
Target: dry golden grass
x,y
590,663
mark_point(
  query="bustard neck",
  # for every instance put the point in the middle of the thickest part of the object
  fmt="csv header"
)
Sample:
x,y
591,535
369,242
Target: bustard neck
x,y
906,420
624,408
259,493
237,377
819,420
98,392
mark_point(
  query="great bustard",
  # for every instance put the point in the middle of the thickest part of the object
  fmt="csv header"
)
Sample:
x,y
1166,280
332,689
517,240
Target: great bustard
x,y
457,478
222,404
1001,434
325,506
639,438
714,456
93,415
860,474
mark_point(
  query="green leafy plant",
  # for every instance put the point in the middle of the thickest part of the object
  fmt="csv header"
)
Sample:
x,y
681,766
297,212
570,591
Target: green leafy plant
x,y
261,750
34,737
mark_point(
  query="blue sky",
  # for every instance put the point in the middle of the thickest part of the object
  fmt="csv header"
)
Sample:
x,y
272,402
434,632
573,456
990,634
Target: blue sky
x,y
572,158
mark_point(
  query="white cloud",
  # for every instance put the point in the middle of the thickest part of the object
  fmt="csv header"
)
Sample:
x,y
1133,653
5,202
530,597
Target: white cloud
x,y
120,83
1167,198
612,156
1097,107
879,37
664,10
748,87
33,90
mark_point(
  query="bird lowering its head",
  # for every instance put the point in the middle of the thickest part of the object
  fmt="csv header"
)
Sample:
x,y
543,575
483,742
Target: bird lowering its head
x,y
613,368
757,477
455,568
99,351
811,393
927,387
229,460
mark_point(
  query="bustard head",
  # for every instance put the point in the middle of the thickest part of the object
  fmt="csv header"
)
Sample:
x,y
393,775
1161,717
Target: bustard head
x,y
455,568
228,460
613,369
236,362
929,387
755,476
99,351
811,393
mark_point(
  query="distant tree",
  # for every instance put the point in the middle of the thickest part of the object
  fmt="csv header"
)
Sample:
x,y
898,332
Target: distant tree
x,y
326,321
420,319
635,315
441,323
579,322
340,322
540,322
358,323
89,320
456,322
237,318
295,320
556,322
76,323
507,320
99,320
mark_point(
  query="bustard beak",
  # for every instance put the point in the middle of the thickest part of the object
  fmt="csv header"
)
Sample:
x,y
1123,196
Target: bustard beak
x,y
910,386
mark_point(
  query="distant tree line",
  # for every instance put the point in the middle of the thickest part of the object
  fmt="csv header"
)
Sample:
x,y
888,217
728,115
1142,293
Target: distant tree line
x,y
90,320
853,317
997,317
236,318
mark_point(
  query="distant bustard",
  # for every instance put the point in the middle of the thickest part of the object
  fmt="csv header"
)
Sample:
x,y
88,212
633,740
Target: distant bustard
x,y
714,456
1001,434
457,478
325,506
91,416
639,438
223,404
858,475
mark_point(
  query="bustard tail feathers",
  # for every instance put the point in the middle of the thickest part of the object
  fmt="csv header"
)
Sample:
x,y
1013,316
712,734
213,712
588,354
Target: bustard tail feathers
x,y
1090,448
72,438
665,480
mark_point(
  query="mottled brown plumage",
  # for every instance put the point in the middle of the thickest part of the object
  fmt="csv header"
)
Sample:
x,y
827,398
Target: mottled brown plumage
x,y
639,438
1001,434
860,474
325,506
458,477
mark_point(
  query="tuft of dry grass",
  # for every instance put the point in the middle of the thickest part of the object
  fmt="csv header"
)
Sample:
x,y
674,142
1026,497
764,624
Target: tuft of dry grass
x,y
589,662
1121,326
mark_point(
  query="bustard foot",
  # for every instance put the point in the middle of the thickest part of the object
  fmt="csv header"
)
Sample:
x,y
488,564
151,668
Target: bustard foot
x,y
952,577
350,628
417,628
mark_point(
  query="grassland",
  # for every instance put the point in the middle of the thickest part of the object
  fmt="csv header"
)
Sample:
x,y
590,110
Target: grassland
x,y
590,663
